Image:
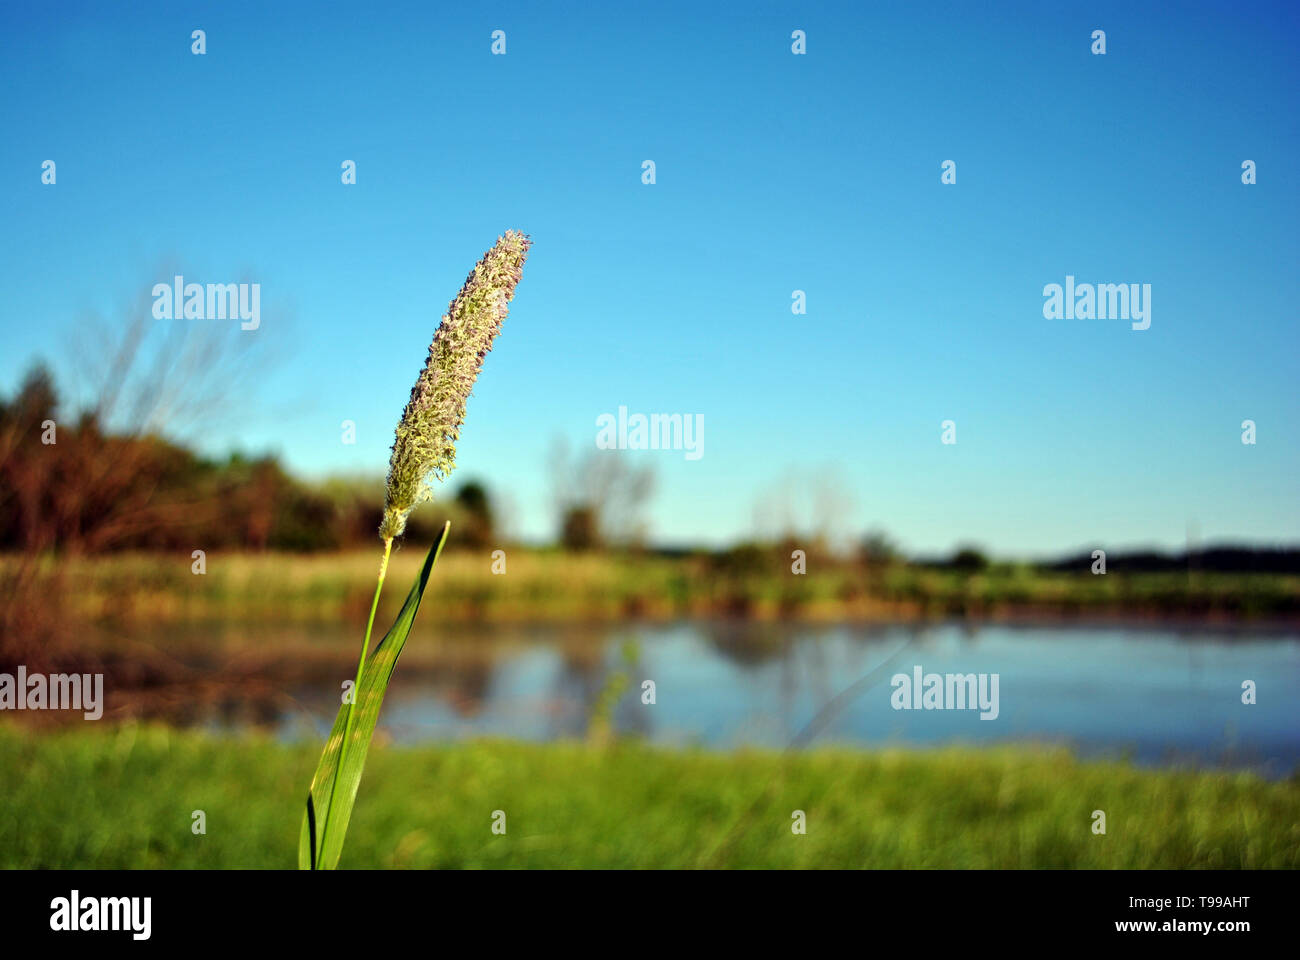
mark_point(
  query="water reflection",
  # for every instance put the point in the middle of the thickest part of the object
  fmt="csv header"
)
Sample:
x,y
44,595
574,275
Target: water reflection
x,y
1155,694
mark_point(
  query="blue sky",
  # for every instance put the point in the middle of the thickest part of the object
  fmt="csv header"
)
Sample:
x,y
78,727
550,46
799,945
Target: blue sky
x,y
775,172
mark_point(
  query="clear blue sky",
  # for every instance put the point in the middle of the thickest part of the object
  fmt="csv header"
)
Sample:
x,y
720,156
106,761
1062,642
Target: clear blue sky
x,y
775,172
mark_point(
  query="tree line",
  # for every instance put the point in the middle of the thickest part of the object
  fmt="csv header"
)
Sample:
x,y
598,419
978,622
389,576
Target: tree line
x,y
74,486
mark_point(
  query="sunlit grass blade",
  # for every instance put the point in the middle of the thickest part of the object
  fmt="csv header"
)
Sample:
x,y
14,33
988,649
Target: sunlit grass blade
x,y
334,787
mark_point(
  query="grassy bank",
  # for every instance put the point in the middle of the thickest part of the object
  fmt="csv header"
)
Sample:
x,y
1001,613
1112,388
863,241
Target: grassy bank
x,y
125,797
542,586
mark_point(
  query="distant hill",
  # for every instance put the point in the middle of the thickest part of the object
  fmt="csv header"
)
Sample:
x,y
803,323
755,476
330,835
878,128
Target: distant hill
x,y
1222,559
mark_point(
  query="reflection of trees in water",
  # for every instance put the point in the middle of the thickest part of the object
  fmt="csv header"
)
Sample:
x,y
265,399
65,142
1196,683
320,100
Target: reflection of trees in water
x,y
257,711
750,646
206,704
463,669
747,644
588,676
464,683
814,665
578,682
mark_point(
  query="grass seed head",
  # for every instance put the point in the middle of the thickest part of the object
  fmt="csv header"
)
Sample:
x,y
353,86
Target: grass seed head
x,y
425,444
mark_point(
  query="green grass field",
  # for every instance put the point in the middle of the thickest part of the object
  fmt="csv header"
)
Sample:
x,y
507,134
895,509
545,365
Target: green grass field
x,y
124,798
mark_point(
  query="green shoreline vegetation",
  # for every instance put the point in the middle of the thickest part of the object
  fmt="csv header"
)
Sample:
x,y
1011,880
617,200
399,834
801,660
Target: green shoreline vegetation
x,y
79,803
550,585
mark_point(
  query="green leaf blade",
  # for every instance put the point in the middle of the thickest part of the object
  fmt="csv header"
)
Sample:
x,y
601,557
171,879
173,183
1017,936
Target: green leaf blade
x,y
330,798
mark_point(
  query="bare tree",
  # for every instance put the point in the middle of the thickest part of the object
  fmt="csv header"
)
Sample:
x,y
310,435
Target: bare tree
x,y
812,506
599,497
134,380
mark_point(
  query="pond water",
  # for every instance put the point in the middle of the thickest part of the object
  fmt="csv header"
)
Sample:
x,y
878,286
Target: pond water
x,y
1157,695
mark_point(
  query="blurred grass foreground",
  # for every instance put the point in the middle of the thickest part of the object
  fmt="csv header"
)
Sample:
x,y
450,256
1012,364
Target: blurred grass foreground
x,y
127,798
